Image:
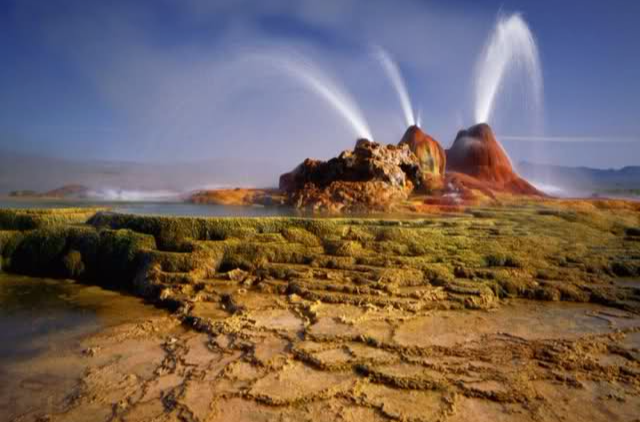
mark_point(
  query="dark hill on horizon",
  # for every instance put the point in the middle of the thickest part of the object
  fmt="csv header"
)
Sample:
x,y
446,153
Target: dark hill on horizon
x,y
584,180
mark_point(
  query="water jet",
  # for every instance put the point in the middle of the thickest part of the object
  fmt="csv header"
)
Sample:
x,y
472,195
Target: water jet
x,y
393,73
510,47
316,80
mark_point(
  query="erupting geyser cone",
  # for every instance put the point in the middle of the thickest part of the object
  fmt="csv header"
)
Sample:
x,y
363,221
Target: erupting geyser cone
x,y
476,152
429,152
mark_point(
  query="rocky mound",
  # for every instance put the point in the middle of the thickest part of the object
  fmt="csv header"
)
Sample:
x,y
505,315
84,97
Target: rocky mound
x,y
375,177
371,177
68,191
237,197
348,196
429,152
63,192
476,153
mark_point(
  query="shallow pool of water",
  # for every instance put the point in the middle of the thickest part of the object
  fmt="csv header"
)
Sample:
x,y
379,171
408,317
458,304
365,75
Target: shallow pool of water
x,y
43,324
38,315
185,209
154,208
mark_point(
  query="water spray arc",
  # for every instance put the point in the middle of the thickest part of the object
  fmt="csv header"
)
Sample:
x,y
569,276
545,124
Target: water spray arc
x,y
511,46
393,73
325,87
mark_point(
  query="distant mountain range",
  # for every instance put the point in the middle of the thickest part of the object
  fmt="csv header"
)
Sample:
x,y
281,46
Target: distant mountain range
x,y
32,172
583,180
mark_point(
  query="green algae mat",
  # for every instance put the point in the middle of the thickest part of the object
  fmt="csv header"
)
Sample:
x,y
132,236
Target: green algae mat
x,y
471,259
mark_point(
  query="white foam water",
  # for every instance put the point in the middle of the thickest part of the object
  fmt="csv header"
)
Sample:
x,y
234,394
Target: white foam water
x,y
129,195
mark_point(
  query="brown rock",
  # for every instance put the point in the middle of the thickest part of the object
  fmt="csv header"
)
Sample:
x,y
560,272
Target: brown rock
x,y
371,176
66,191
478,154
395,165
237,196
237,274
306,172
429,152
349,196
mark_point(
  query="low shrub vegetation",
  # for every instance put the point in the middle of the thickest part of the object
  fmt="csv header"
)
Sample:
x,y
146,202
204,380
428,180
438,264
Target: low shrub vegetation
x,y
528,250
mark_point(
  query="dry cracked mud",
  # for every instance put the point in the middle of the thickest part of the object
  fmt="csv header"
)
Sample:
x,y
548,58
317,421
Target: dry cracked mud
x,y
285,358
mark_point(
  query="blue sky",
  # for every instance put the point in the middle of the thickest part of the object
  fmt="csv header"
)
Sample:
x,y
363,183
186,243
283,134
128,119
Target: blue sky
x,y
169,79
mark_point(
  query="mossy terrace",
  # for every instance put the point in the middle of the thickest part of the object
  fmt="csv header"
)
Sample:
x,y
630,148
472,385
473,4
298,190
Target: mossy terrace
x,y
473,259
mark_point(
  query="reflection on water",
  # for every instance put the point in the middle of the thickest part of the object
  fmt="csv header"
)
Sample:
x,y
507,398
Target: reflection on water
x,y
156,208
184,209
200,210
37,315
42,325
30,311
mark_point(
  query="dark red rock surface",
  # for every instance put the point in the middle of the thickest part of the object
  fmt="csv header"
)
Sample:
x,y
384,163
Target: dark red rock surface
x,y
431,155
477,153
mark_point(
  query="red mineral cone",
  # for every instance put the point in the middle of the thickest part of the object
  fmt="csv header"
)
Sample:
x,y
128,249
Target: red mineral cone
x,y
428,150
477,153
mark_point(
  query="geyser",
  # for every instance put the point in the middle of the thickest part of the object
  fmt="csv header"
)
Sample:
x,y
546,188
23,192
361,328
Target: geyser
x,y
510,47
321,84
428,151
393,72
477,153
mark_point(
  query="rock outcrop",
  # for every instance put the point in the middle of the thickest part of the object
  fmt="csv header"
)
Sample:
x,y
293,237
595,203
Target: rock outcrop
x,y
341,196
237,197
369,177
68,191
476,153
63,192
429,152
375,177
